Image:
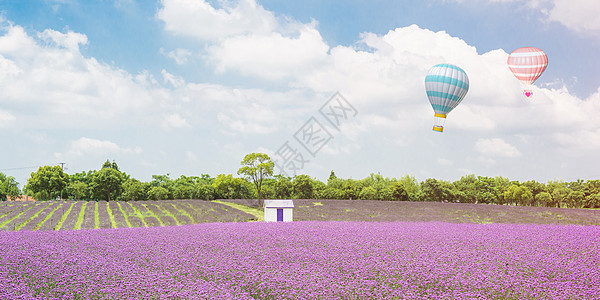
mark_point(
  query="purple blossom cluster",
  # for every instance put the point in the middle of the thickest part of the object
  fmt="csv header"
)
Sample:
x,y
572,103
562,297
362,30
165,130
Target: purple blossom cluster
x,y
305,260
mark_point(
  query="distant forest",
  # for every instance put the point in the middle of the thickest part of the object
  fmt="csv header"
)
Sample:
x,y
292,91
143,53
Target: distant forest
x,y
109,183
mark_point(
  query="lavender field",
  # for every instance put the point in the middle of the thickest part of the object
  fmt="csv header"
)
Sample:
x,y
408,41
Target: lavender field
x,y
74,215
305,260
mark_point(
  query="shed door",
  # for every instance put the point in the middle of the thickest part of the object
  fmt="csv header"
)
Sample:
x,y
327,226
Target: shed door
x,y
280,215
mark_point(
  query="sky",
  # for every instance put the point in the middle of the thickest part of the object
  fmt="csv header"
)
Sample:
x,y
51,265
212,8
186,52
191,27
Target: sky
x,y
189,87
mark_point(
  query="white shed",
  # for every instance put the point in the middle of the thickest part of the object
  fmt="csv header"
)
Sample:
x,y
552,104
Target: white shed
x,y
279,210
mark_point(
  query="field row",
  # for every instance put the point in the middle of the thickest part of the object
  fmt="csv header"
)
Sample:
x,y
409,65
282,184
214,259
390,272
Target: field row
x,y
406,211
73,215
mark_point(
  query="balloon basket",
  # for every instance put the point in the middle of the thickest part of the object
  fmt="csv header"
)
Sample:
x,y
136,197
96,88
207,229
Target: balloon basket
x,y
528,93
438,128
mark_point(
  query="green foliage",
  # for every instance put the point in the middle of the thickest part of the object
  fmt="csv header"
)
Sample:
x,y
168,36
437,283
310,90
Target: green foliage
x,y
8,187
185,187
575,199
107,184
205,191
256,167
399,192
48,182
437,190
368,193
78,189
134,190
543,199
518,195
110,183
302,187
283,187
560,196
158,193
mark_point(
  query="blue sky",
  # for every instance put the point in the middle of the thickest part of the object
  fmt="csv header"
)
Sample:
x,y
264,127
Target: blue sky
x,y
189,87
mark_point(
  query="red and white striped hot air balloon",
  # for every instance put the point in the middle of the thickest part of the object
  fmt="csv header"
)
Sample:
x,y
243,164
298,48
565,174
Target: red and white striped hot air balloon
x,y
527,64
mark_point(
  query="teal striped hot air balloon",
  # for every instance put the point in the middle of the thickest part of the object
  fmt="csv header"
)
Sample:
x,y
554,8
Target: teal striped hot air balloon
x,y
446,86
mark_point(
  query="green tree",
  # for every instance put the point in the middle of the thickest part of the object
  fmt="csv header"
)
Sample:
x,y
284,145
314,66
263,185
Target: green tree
x,y
487,192
134,190
518,195
467,189
110,165
399,191
535,187
48,182
411,186
224,186
205,191
437,190
107,183
256,167
368,193
78,189
560,196
501,184
302,187
158,193
283,187
8,187
592,201
184,187
543,199
575,199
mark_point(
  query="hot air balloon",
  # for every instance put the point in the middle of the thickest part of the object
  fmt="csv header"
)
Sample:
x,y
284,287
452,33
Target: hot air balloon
x,y
527,64
446,86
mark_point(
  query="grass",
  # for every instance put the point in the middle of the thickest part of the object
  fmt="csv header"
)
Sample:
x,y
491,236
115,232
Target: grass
x,y
81,216
168,213
48,217
183,212
259,214
153,214
113,223
32,217
124,214
15,217
63,218
138,213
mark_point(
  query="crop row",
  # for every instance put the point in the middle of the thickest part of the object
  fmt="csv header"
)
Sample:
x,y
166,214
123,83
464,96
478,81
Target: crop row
x,y
305,260
73,215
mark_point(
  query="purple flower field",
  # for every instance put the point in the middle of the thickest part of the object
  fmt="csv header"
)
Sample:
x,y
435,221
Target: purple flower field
x,y
304,260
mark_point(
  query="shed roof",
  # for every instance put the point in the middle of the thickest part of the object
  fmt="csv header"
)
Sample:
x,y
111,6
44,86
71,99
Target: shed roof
x,y
279,203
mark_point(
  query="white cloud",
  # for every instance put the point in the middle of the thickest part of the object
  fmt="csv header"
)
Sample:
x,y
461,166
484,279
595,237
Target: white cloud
x,y
70,40
496,147
180,55
89,146
6,119
272,56
62,87
174,121
198,19
580,16
191,156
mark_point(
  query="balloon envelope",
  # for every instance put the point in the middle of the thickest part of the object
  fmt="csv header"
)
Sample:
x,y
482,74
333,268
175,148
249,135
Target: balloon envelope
x,y
446,86
527,64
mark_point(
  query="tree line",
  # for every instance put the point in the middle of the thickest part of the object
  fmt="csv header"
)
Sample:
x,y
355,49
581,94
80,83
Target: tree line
x,y
111,184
